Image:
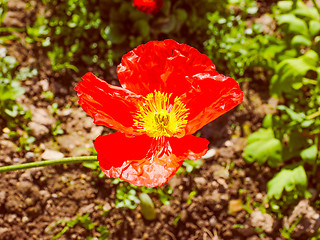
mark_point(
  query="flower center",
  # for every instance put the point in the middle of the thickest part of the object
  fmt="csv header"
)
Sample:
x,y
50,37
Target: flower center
x,y
157,117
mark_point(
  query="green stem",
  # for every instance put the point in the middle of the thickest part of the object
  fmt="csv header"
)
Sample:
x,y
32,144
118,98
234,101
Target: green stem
x,y
316,6
48,163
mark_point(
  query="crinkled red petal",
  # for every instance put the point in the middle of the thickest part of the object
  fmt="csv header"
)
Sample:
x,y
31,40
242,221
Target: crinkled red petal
x,y
148,6
210,97
144,161
108,105
165,66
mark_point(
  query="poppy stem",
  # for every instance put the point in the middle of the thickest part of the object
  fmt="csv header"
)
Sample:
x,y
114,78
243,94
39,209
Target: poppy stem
x,y
45,163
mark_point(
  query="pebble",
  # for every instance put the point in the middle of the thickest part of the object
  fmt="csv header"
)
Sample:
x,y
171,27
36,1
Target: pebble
x,y
11,218
25,219
86,209
106,207
213,221
2,197
228,143
38,130
29,156
51,154
29,201
210,153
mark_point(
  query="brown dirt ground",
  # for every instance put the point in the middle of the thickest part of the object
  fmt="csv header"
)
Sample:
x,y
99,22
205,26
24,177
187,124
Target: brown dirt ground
x,y
32,201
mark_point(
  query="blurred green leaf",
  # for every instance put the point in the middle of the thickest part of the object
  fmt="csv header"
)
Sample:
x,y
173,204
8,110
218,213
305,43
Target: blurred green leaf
x,y
285,6
295,25
287,180
263,147
310,154
314,27
291,71
300,40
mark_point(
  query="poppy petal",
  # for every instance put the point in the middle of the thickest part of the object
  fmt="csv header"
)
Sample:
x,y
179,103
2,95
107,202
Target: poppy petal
x,y
210,97
144,161
165,66
147,6
108,105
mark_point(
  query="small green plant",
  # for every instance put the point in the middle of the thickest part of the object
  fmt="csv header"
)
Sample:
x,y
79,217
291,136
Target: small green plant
x,y
48,95
232,44
126,197
291,134
192,194
10,88
286,188
188,166
85,222
286,233
56,129
147,207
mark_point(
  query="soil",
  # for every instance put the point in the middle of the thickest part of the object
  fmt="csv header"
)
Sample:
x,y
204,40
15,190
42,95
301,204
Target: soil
x,y
228,190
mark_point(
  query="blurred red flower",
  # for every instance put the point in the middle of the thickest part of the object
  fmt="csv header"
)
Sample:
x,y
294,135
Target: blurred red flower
x,y
148,6
169,91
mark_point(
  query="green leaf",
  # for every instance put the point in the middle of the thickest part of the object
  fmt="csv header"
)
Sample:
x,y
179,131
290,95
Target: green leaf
x,y
300,40
143,27
314,27
261,134
170,25
306,12
285,6
147,207
267,121
115,34
297,117
263,147
292,71
309,154
295,25
287,180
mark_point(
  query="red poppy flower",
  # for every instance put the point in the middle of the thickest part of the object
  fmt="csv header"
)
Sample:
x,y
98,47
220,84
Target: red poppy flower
x,y
169,91
148,6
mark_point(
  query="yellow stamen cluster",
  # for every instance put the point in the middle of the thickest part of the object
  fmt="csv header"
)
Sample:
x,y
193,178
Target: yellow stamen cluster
x,y
157,117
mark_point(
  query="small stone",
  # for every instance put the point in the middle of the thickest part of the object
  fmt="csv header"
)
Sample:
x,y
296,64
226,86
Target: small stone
x,y
2,197
3,230
25,219
64,179
235,206
38,130
51,154
29,201
106,207
213,221
262,220
45,195
228,143
65,112
3,52
200,182
16,160
309,220
11,218
29,156
210,153
42,116
44,84
86,209
6,144
259,197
